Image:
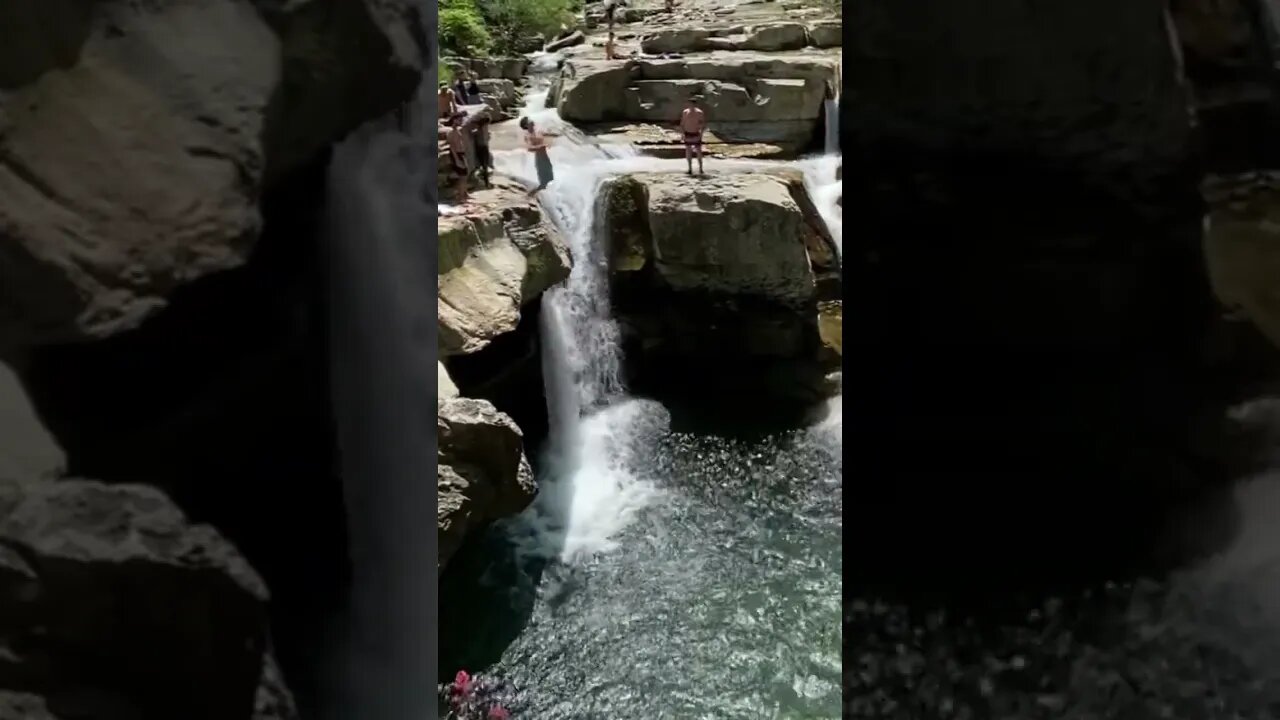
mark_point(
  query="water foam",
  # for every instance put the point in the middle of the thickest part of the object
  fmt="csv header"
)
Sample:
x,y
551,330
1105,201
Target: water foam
x,y
595,484
591,488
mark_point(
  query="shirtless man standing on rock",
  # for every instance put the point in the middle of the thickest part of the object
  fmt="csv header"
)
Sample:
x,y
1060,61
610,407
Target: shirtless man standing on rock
x,y
693,123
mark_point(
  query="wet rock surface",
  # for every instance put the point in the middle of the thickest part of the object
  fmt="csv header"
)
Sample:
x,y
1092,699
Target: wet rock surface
x,y
113,605
494,259
133,157
718,282
749,97
483,474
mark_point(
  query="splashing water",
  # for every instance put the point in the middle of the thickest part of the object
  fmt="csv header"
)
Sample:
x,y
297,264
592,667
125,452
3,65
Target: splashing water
x,y
658,574
590,490
595,485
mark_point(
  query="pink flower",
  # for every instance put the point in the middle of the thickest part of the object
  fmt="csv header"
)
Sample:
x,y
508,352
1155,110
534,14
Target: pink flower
x,y
461,683
498,712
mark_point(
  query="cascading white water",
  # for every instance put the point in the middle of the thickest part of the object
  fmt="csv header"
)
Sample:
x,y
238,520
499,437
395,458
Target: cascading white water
x,y
591,491
724,601
595,486
820,180
831,118
380,283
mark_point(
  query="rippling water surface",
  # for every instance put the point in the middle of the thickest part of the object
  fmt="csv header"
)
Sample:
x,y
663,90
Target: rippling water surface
x,y
1200,644
721,599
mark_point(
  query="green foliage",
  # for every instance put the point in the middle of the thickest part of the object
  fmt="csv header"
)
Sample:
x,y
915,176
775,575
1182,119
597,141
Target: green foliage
x,y
462,29
511,20
474,28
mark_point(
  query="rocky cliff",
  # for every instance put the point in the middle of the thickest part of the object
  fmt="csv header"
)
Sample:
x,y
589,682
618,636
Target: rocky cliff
x,y
497,258
161,179
751,310
734,314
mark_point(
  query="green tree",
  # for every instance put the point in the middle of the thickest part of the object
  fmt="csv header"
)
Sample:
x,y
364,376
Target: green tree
x,y
462,29
511,20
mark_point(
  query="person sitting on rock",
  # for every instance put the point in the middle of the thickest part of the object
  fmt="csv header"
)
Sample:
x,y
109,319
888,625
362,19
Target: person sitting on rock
x,y
473,90
448,104
458,170
693,123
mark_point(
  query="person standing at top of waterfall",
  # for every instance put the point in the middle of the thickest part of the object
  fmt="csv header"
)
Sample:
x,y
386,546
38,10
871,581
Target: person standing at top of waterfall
x,y
693,123
535,141
458,169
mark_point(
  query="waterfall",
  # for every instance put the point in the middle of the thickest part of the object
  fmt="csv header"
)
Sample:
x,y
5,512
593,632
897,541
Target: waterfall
x,y
590,491
831,117
382,348
563,409
595,482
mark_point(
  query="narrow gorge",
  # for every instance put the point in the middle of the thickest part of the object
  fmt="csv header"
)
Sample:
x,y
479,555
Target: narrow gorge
x,y
173,526
639,416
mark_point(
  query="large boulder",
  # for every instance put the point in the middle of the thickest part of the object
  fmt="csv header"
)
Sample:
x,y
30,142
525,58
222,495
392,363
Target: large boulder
x,y
772,37
27,450
720,282
493,261
482,472
748,98
512,68
675,40
766,37
501,90
1242,247
113,605
826,34
445,389
1229,54
135,140
1217,34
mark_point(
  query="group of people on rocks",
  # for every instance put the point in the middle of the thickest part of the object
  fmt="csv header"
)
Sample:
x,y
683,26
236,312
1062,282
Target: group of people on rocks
x,y
459,132
463,130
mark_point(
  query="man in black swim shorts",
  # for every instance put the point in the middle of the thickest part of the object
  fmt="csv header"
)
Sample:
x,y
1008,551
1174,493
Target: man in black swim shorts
x,y
693,123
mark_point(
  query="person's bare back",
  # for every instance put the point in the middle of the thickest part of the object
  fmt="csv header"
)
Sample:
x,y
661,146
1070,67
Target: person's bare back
x,y
693,121
445,103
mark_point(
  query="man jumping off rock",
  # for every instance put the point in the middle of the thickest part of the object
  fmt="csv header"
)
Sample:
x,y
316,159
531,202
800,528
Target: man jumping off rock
x,y
693,123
